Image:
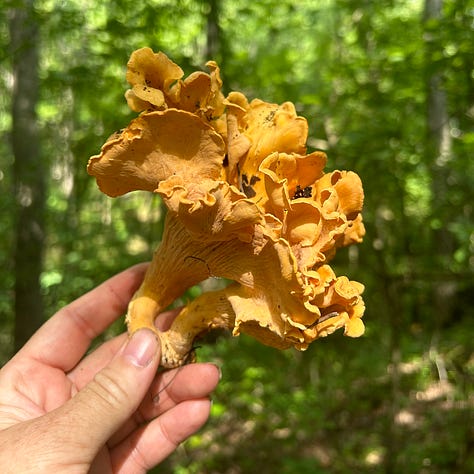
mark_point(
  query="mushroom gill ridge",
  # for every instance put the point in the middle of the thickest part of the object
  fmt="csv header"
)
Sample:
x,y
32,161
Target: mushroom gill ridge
x,y
245,202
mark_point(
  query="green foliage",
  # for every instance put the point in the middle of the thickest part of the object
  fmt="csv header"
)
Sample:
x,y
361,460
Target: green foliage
x,y
328,409
400,398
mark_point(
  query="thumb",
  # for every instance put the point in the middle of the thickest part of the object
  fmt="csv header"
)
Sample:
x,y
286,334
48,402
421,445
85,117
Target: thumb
x,y
96,412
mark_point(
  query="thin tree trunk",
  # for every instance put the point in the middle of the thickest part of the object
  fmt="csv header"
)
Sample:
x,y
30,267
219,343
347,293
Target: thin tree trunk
x,y
439,150
28,172
439,143
213,30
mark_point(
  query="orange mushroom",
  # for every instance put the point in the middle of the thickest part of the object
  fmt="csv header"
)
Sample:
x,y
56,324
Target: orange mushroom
x,y
245,202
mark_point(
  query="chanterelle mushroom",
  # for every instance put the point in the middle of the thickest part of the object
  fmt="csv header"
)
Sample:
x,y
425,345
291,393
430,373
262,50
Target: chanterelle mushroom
x,y
245,202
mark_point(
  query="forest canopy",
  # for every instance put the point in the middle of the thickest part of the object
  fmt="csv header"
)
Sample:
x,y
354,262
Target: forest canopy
x,y
387,88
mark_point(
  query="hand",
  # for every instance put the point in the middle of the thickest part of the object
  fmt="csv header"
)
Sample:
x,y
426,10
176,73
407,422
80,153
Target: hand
x,y
107,412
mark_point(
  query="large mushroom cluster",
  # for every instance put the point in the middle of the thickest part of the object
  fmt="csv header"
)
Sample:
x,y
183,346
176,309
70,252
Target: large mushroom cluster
x,y
245,202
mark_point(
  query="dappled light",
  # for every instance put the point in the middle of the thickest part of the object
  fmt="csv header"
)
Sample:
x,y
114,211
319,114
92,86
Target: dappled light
x,y
265,105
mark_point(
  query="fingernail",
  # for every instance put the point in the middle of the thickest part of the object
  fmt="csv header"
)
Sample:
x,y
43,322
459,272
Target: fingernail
x,y
141,347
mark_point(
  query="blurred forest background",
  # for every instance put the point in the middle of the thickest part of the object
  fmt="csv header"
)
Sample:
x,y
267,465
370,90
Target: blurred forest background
x,y
387,87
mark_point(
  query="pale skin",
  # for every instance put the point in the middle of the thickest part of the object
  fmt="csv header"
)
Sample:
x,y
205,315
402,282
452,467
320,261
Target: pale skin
x,y
109,411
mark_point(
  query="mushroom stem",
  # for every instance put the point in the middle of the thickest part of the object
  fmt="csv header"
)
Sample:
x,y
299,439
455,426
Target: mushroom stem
x,y
179,262
174,268
211,310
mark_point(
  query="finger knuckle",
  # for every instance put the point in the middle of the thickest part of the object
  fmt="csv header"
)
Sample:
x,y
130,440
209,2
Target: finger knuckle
x,y
109,390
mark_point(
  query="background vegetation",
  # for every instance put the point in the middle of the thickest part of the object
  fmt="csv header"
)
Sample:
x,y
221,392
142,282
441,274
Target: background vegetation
x,y
388,90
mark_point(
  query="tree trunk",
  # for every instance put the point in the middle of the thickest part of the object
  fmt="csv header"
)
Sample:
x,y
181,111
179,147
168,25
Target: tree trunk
x,y
28,172
213,30
439,154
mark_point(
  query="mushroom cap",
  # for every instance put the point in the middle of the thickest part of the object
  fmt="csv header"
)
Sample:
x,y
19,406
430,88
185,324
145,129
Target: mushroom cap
x,y
151,76
156,84
157,146
259,129
211,210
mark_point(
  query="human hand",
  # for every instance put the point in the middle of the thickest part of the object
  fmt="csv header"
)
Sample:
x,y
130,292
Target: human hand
x,y
109,412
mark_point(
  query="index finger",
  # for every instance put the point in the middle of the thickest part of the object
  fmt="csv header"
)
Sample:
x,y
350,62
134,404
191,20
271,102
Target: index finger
x,y
65,337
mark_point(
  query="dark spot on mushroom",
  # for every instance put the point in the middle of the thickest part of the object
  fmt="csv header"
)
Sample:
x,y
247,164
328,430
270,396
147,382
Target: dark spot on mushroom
x,y
306,192
270,116
324,317
254,179
247,185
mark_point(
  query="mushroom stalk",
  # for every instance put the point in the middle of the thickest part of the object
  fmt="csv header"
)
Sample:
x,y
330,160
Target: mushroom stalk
x,y
179,262
173,269
210,311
